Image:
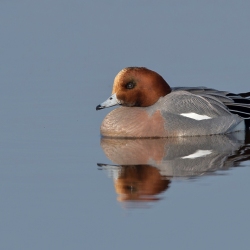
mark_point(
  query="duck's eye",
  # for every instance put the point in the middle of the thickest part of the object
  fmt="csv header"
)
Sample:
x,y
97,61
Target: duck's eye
x,y
130,85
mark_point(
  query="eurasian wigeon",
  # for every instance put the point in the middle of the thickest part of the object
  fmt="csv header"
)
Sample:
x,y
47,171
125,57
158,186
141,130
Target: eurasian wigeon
x,y
150,108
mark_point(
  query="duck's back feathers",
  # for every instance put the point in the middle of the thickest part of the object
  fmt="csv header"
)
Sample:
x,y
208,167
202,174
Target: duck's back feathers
x,y
238,104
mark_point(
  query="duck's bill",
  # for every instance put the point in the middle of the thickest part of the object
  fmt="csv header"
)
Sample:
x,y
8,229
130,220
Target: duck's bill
x,y
111,101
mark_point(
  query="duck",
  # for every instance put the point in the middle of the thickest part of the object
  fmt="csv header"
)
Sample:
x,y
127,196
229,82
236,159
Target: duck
x,y
150,108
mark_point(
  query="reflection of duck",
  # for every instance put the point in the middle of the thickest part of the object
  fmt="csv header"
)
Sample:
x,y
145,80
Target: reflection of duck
x,y
160,111
145,166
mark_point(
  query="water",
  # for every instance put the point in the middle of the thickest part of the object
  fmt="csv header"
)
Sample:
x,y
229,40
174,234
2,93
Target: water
x,y
58,60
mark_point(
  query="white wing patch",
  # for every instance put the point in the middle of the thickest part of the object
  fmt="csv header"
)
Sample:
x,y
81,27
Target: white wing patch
x,y
198,153
196,116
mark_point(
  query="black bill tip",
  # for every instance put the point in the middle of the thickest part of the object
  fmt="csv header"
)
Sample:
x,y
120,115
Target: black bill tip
x,y
99,107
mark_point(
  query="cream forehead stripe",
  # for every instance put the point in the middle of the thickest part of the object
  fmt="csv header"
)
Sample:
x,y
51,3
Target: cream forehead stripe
x,y
196,116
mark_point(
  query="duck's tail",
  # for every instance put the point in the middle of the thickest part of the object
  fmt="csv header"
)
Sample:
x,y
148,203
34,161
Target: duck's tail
x,y
245,95
241,106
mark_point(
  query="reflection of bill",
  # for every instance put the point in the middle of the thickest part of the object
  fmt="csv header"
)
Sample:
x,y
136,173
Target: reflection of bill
x,y
145,166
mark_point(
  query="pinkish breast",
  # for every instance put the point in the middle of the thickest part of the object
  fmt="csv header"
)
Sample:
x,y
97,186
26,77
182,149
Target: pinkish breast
x,y
133,122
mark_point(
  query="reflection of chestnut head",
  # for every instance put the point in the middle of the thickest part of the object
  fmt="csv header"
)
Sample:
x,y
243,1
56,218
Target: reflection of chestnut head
x,y
140,183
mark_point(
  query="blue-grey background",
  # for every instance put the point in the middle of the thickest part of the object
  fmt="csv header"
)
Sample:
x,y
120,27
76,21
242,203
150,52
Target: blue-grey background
x,y
57,62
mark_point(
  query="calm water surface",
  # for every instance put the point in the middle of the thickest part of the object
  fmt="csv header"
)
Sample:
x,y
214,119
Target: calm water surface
x,y
62,186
